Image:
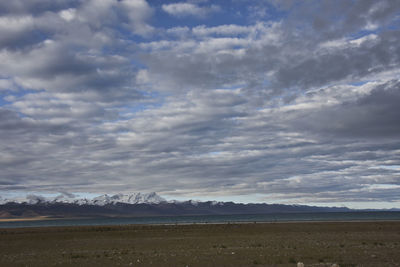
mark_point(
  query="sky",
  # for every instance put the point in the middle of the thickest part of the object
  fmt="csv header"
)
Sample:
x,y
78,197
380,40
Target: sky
x,y
293,102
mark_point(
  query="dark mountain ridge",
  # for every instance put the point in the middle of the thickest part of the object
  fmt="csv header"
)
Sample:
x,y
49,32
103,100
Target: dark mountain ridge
x,y
66,210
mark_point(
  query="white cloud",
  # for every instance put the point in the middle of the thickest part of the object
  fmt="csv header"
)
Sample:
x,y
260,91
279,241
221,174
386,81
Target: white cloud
x,y
139,13
179,31
188,9
68,14
348,43
17,23
142,77
221,30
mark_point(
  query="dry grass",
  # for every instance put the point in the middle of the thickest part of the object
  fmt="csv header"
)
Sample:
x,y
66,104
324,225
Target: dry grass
x,y
261,244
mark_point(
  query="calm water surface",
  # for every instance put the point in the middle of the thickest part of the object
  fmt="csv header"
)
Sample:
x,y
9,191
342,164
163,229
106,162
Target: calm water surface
x,y
288,217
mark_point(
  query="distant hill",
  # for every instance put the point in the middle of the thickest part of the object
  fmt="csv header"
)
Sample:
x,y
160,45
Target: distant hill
x,y
139,205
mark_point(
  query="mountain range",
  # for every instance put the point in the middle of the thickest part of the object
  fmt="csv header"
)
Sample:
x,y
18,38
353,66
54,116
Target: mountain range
x,y
136,205
135,198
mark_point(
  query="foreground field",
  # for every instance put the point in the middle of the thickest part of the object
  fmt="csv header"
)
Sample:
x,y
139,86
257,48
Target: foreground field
x,y
261,244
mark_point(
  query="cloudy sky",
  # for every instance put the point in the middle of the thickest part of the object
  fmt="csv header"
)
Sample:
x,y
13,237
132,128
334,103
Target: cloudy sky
x,y
250,101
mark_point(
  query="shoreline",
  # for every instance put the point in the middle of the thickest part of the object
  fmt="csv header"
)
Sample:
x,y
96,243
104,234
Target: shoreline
x,y
26,219
283,222
41,218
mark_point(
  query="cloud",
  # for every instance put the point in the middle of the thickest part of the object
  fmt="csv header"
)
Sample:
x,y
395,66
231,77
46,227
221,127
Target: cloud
x,y
36,7
372,115
66,194
139,12
14,32
188,9
105,97
7,85
221,30
371,56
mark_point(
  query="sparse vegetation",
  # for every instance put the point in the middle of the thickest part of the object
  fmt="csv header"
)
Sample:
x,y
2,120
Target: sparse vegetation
x,y
263,244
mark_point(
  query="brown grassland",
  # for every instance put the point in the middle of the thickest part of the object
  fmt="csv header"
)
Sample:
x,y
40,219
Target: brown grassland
x,y
261,244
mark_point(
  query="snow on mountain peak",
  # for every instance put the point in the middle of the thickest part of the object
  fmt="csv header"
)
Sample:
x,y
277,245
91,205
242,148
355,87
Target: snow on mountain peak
x,y
135,198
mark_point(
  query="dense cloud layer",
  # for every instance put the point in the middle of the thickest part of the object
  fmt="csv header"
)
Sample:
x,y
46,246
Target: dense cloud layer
x,y
275,100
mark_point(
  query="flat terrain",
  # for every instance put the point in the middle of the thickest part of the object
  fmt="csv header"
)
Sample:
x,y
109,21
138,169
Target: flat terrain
x,y
261,244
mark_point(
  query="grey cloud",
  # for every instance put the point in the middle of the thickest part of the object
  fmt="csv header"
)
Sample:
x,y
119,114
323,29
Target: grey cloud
x,y
58,68
329,20
373,115
333,66
12,124
271,68
36,7
312,67
19,32
67,54
359,14
266,111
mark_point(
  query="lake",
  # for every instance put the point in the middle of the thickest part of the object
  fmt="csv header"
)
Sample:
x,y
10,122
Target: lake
x,y
203,219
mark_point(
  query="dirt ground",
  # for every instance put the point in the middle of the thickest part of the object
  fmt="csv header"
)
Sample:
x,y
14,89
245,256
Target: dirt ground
x,y
253,244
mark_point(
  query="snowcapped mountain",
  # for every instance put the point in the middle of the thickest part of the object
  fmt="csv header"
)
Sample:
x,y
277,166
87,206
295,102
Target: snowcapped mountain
x,y
68,205
135,198
139,205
